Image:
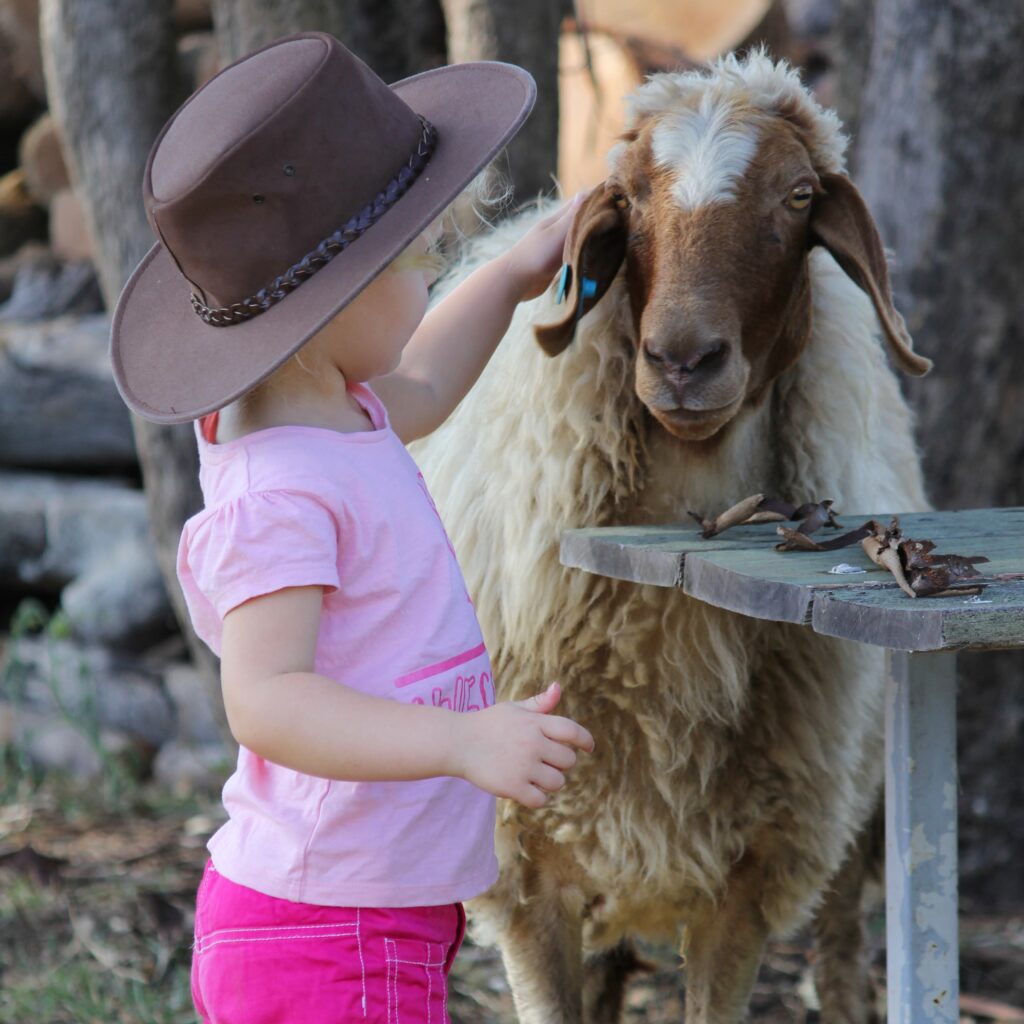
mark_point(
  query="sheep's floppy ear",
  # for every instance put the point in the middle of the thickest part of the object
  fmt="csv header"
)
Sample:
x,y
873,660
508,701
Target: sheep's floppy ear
x,y
840,221
594,249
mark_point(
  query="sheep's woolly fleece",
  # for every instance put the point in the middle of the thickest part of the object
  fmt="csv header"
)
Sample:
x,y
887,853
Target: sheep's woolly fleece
x,y
717,735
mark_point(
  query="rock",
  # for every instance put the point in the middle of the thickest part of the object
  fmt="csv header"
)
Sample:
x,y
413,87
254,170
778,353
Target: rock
x,y
196,721
48,743
98,690
51,743
76,518
188,769
121,601
34,252
69,234
21,220
55,530
41,157
60,407
43,289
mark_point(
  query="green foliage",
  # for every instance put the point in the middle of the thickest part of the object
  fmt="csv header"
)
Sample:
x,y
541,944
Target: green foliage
x,y
121,771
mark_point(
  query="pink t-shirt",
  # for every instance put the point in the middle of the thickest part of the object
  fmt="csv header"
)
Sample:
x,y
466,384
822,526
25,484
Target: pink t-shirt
x,y
294,505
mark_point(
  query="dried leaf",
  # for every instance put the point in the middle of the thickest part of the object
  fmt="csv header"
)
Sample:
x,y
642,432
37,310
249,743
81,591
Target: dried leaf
x,y
767,517
794,540
734,516
881,553
815,515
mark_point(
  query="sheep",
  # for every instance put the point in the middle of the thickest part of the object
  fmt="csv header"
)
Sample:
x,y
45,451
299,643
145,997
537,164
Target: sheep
x,y
724,332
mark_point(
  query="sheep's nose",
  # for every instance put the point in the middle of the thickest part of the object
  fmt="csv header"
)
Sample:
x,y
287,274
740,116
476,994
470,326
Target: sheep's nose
x,y
706,359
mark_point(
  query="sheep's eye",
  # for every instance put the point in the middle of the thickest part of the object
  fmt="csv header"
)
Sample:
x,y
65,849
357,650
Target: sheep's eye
x,y
621,201
800,197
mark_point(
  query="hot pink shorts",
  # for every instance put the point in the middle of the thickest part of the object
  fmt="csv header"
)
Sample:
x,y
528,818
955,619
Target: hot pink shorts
x,y
258,959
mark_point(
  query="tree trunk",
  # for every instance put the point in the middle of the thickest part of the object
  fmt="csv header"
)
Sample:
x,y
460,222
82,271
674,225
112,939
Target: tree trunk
x,y
112,80
938,160
524,33
396,38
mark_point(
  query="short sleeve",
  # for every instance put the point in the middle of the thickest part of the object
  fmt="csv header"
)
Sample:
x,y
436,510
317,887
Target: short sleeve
x,y
254,544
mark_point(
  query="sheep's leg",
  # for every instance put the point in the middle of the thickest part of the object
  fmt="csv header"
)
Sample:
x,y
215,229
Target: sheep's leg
x,y
542,950
725,943
841,973
605,976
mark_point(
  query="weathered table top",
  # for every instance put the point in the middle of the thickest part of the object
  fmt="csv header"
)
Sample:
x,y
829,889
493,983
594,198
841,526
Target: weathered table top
x,y
740,570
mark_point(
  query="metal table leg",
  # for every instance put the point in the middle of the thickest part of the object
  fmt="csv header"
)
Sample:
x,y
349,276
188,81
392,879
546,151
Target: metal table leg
x,y
920,838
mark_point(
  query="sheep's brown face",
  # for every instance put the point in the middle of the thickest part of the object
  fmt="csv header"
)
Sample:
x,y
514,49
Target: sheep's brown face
x,y
716,214
711,211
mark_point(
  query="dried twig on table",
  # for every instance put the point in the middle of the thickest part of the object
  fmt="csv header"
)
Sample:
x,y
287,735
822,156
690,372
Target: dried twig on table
x,y
795,540
734,516
759,509
919,572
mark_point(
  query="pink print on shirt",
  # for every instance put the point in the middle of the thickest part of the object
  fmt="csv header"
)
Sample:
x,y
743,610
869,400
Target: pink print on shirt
x,y
462,690
462,694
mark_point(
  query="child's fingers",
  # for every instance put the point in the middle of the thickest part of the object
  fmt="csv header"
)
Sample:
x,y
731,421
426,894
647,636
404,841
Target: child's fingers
x,y
542,702
530,796
558,755
565,730
549,779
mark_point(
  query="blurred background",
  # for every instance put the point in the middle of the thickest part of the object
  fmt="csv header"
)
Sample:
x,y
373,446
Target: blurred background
x,y
113,746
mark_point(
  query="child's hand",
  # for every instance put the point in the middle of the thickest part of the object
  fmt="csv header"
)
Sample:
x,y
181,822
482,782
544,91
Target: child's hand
x,y
518,749
536,257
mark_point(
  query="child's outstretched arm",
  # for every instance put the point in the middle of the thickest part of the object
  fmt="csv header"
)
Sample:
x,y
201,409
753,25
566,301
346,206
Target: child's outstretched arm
x,y
283,710
452,345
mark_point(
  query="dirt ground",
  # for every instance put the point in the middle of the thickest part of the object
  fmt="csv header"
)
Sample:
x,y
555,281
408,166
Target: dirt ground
x,y
97,884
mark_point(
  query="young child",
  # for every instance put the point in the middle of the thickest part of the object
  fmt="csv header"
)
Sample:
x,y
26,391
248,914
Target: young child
x,y
353,670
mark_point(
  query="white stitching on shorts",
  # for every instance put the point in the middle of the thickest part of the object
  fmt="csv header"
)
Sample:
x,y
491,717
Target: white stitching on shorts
x,y
362,965
277,938
344,925
392,960
426,970
282,928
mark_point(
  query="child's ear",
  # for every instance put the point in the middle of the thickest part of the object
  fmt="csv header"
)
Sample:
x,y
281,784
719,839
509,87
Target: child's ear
x,y
594,249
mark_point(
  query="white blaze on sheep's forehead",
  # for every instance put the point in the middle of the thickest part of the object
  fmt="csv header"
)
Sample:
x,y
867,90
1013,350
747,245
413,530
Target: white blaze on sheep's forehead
x,y
708,149
755,85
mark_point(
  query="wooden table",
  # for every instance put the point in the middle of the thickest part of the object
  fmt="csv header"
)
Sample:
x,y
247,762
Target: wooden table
x,y
741,571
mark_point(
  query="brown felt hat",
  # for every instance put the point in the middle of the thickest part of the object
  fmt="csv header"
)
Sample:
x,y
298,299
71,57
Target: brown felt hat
x,y
278,191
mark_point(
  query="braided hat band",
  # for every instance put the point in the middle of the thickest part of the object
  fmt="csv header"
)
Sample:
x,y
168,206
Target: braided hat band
x,y
355,226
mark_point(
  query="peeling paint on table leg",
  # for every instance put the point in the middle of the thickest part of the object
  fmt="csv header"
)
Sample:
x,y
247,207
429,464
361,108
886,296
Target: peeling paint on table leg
x,y
920,825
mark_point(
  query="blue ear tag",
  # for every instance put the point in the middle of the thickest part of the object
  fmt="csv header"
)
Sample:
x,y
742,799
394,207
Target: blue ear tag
x,y
563,283
588,287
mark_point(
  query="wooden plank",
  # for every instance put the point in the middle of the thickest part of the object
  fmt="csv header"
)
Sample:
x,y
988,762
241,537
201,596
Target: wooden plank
x,y
888,618
776,585
647,554
742,572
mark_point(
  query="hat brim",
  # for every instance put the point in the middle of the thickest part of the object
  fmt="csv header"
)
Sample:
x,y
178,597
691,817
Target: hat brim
x,y
171,367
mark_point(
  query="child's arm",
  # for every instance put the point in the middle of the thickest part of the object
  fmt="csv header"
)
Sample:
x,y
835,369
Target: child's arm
x,y
281,709
452,345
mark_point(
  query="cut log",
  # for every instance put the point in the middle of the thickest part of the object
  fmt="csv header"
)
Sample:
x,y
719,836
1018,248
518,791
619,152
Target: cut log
x,y
60,408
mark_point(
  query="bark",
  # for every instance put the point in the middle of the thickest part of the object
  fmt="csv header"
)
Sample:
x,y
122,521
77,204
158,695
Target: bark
x,y
938,160
524,33
112,80
397,38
